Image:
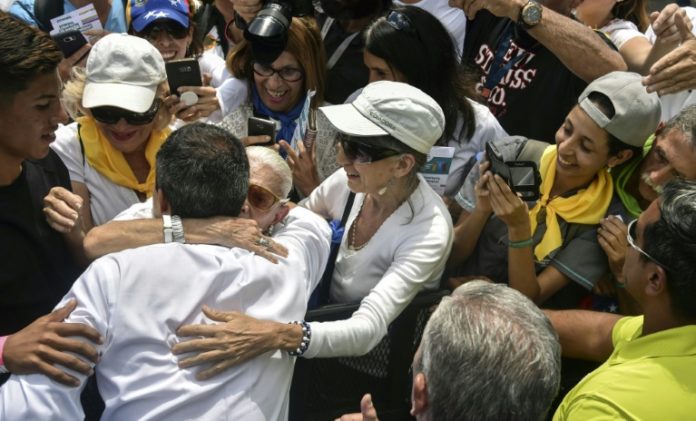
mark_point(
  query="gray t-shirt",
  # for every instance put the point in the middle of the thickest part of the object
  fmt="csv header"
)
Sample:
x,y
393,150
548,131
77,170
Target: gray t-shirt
x,y
580,257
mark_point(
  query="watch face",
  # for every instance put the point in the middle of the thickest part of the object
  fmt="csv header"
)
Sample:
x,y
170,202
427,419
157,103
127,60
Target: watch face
x,y
531,14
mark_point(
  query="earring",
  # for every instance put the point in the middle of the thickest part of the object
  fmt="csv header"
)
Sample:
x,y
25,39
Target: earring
x,y
384,189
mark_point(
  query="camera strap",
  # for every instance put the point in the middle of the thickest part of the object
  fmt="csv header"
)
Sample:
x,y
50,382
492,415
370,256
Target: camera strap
x,y
342,47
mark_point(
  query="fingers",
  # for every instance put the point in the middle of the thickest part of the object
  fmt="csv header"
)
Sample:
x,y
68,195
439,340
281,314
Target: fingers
x,y
292,155
261,140
72,362
664,19
207,78
56,374
212,356
195,345
276,248
367,408
60,314
79,329
198,330
674,72
222,366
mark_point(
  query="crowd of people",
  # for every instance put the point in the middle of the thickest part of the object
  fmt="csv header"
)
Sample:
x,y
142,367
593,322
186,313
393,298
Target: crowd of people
x,y
159,254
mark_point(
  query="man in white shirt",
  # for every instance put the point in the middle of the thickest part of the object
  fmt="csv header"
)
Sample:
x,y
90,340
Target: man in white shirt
x,y
138,298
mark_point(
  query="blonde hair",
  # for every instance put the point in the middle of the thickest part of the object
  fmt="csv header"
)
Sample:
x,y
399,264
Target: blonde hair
x,y
304,42
75,87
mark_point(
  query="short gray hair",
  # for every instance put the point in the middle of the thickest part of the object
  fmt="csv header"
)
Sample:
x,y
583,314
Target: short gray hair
x,y
489,353
269,158
685,122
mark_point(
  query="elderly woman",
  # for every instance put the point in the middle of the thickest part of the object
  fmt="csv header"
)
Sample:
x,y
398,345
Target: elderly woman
x,y
397,236
278,85
119,126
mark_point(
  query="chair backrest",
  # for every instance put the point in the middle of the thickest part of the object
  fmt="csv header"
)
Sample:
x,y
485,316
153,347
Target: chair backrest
x,y
325,388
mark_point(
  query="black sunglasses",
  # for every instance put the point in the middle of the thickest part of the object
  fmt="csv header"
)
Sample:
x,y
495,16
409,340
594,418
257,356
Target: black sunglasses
x,y
288,74
154,31
362,153
112,115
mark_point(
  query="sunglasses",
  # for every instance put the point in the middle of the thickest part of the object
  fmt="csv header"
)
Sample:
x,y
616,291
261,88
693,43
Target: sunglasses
x,y
263,199
112,115
362,153
631,238
154,31
288,74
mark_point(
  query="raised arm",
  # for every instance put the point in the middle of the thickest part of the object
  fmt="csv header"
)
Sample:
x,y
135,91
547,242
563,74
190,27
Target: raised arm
x,y
578,47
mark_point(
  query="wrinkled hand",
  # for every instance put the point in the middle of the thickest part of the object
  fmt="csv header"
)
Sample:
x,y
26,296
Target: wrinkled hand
x,y
304,170
62,210
47,341
611,236
239,339
507,206
664,24
675,71
78,58
243,233
247,9
367,411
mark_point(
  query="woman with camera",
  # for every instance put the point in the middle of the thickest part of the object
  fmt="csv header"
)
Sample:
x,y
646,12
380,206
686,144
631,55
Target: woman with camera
x,y
548,250
169,27
431,64
120,123
279,79
398,234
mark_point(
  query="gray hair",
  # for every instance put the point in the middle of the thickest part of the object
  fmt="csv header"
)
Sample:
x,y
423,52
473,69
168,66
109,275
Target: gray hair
x,y
269,158
489,353
685,122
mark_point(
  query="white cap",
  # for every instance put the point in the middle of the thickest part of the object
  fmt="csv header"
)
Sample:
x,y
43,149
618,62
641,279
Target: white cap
x,y
123,71
391,108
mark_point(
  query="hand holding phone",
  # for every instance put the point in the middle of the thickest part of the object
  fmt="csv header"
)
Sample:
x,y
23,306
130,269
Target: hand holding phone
x,y
184,72
258,126
522,176
69,42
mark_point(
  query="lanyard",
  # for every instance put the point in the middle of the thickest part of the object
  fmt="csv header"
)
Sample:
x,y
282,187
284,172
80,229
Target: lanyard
x,y
341,48
498,70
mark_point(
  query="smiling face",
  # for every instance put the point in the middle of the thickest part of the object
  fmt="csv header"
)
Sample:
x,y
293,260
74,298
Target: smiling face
x,y
583,149
380,69
277,93
672,156
367,178
30,120
172,44
126,138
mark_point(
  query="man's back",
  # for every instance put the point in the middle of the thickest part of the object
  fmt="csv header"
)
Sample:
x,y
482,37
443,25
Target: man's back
x,y
647,377
138,298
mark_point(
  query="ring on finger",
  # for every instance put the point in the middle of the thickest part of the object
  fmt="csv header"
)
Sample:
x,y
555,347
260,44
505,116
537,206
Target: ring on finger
x,y
263,242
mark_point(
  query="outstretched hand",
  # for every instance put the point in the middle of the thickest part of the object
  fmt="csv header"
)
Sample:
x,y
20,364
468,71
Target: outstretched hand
x,y
48,341
238,338
304,170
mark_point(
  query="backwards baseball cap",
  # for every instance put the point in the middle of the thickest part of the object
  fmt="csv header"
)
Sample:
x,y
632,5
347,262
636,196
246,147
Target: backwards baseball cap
x,y
144,12
391,108
123,71
636,112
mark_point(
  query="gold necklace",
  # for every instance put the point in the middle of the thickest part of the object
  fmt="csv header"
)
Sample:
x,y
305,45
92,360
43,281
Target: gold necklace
x,y
354,227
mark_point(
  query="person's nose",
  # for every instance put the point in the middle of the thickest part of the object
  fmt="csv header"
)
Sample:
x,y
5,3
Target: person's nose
x,y
60,115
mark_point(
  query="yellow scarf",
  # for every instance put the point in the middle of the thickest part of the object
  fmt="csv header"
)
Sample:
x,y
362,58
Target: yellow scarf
x,y
110,162
587,206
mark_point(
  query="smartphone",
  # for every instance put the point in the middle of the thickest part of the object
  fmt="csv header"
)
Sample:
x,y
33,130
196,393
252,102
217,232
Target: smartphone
x,y
258,126
69,42
522,176
184,72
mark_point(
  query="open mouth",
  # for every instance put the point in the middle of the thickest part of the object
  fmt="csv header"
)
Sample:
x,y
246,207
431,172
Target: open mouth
x,y
565,163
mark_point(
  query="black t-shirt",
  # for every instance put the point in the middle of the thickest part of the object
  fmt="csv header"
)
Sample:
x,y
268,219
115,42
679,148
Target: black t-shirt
x,y
537,92
36,267
349,73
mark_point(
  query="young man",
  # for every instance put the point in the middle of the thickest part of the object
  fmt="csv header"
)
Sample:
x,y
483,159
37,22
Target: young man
x,y
37,265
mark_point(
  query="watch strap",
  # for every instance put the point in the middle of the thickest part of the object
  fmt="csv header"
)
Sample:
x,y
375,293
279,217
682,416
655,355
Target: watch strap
x,y
167,228
178,229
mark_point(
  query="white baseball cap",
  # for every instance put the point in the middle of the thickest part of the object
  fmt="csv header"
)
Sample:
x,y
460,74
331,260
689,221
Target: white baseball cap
x,y
123,71
391,108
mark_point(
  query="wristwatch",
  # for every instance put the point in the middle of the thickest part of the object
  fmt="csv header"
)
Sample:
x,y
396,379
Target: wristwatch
x,y
530,14
177,230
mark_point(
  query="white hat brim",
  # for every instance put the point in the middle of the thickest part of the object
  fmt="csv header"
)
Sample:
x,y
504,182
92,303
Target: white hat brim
x,y
347,119
129,97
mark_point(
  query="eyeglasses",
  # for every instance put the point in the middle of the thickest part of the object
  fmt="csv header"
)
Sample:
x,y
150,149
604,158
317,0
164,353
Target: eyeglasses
x,y
112,115
362,153
288,74
263,199
154,31
631,238
400,21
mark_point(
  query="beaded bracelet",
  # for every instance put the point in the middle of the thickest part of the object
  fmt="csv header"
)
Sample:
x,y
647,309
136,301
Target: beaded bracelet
x,y
306,337
521,244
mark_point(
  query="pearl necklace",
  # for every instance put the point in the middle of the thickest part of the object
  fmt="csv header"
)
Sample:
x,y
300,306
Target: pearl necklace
x,y
354,227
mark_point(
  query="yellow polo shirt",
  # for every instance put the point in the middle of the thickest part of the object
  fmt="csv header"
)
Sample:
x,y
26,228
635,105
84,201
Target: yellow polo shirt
x,y
649,377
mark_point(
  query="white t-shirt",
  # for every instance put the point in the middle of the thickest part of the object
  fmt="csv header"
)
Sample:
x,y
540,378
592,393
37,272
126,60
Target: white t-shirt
x,y
620,30
452,18
672,104
138,298
406,254
106,198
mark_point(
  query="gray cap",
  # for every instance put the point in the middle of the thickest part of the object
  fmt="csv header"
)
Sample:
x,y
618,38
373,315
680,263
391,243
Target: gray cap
x,y
636,112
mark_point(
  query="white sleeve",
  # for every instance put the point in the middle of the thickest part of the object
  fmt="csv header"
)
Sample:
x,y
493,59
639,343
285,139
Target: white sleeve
x,y
67,146
306,234
329,199
420,257
231,94
35,396
620,31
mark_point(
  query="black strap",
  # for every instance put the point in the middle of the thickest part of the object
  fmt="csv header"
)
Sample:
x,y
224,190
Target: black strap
x,y
325,284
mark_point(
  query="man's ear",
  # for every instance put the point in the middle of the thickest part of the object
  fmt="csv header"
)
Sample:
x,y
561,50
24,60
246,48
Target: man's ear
x,y
657,282
162,202
419,395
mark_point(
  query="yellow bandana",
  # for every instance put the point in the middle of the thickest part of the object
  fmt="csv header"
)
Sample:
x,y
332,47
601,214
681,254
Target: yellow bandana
x,y
110,162
587,206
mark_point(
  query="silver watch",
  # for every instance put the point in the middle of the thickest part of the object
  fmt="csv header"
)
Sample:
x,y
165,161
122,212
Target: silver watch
x,y
177,230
